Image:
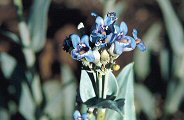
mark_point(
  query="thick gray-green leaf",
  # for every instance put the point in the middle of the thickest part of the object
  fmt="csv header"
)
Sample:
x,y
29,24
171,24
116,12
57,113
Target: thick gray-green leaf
x,y
113,6
173,102
4,115
112,85
54,97
86,87
164,63
29,56
126,90
24,33
113,105
8,64
61,97
145,100
27,105
69,92
36,88
173,26
38,23
153,43
11,35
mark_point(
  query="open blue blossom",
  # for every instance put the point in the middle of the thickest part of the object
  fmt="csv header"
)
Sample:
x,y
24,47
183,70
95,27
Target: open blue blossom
x,y
81,48
109,20
104,29
77,115
122,42
140,44
85,116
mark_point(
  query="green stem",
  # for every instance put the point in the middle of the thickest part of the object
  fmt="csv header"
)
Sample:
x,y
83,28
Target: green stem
x,y
102,112
100,84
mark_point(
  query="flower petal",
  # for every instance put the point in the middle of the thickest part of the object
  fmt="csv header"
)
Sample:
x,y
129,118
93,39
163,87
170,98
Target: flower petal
x,y
94,14
131,40
118,47
75,54
96,37
93,37
135,34
127,48
99,21
111,38
85,116
76,115
89,56
141,46
123,28
110,19
117,29
75,40
85,40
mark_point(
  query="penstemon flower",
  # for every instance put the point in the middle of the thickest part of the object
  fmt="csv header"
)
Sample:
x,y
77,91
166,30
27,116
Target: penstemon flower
x,y
104,29
98,52
139,42
81,48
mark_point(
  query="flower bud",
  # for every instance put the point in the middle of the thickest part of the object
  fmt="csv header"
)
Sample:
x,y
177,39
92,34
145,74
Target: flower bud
x,y
111,51
116,67
104,57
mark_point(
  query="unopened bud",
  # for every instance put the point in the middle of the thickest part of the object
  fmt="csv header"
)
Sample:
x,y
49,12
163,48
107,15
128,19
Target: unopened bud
x,y
111,51
116,67
105,57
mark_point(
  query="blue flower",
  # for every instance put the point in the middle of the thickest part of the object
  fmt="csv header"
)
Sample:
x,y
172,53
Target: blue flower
x,y
122,42
104,29
140,44
77,115
85,116
81,48
110,19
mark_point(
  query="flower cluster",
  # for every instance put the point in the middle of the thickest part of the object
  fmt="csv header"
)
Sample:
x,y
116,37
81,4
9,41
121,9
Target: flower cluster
x,y
98,52
78,116
105,43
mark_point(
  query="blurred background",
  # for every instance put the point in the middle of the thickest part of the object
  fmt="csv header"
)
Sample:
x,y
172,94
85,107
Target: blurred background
x,y
38,80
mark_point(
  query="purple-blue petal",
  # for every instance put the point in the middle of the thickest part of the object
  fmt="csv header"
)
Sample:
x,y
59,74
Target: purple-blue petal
x,y
89,56
96,37
118,47
75,40
141,46
111,37
85,116
93,37
117,29
99,21
94,14
75,54
131,41
135,34
108,21
76,115
123,28
85,40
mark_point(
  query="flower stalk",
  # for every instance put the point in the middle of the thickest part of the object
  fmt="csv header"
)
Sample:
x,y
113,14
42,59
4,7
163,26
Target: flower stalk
x,y
102,111
98,52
